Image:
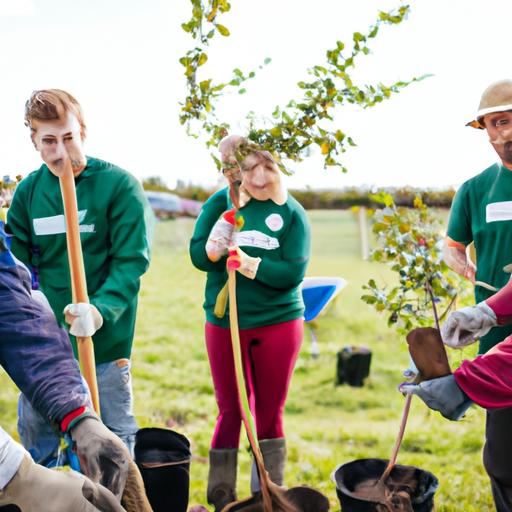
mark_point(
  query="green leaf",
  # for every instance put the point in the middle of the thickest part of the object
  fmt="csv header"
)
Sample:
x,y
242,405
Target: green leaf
x,y
339,135
223,31
202,59
204,85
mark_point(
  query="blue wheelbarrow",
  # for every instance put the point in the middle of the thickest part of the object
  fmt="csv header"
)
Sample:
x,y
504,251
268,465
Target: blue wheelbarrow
x,y
318,293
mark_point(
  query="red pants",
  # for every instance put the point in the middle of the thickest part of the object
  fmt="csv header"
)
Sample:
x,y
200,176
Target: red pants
x,y
268,355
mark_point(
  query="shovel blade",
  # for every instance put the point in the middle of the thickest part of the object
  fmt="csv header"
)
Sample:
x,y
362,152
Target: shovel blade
x,y
428,353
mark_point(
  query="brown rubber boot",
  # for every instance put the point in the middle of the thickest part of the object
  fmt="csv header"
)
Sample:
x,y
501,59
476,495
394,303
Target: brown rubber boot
x,y
274,458
428,353
222,477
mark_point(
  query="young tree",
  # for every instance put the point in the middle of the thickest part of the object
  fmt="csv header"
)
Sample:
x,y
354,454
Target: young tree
x,y
410,242
304,121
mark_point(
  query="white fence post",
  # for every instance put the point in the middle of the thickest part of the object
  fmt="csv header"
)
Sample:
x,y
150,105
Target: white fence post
x,y
363,233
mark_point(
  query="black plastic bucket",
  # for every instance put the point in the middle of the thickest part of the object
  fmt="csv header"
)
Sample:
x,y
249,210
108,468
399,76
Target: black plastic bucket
x,y
353,365
349,475
163,458
305,499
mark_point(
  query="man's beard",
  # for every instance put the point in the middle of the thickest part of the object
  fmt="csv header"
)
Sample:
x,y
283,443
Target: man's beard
x,y
507,152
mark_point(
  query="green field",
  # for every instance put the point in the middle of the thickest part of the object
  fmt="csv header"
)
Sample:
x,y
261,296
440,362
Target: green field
x,y
326,425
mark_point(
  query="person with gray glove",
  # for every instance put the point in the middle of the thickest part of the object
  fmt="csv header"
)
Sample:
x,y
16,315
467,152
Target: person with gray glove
x,y
467,325
31,487
480,213
442,394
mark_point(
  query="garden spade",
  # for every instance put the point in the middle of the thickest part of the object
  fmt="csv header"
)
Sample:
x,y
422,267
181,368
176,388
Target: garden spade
x,y
429,355
378,492
273,496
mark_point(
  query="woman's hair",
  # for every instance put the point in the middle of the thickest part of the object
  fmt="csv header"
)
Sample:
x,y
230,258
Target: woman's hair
x,y
52,104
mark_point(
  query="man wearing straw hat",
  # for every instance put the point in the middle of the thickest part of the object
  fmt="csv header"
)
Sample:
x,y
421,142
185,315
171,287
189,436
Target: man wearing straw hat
x,y
482,208
115,226
482,213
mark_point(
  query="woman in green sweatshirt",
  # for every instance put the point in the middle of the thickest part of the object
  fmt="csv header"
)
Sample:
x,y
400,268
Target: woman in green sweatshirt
x,y
271,233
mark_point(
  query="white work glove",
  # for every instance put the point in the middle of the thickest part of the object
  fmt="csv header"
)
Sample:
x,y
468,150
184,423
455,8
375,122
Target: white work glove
x,y
220,236
84,319
34,487
442,394
466,325
245,264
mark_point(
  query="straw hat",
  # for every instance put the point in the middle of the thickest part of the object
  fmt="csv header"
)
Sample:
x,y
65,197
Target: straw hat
x,y
496,98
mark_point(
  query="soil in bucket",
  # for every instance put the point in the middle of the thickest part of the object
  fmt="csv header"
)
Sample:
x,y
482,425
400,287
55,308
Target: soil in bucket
x,y
163,457
302,498
407,489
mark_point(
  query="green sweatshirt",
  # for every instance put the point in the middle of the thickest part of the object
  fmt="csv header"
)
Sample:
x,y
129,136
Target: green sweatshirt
x,y
116,225
482,212
280,236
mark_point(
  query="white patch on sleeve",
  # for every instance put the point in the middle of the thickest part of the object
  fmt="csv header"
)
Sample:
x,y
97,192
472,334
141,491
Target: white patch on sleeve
x,y
56,225
274,221
496,212
255,239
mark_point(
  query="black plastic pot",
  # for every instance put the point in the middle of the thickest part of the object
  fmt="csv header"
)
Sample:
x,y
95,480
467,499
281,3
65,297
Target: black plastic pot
x,y
163,457
305,499
420,485
353,365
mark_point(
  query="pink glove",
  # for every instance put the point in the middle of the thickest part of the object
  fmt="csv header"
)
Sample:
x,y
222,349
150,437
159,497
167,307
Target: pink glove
x,y
245,264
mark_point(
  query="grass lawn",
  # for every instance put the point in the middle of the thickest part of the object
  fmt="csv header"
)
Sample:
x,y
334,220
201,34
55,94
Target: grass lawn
x,y
326,425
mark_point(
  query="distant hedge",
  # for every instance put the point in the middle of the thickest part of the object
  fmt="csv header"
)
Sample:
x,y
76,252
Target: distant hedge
x,y
354,196
334,199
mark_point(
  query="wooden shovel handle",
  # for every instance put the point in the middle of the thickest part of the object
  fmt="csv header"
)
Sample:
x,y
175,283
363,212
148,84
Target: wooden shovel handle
x,y
398,440
78,281
245,411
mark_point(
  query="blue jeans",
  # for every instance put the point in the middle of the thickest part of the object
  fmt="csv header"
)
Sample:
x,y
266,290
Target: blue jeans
x,y
116,407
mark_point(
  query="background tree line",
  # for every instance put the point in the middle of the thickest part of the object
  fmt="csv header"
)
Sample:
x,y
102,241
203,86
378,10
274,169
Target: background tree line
x,y
333,199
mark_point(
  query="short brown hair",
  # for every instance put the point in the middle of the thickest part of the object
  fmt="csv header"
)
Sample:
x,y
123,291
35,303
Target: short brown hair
x,y
51,104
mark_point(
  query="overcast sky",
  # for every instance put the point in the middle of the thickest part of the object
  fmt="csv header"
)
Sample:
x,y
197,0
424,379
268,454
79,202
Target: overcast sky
x,y
120,59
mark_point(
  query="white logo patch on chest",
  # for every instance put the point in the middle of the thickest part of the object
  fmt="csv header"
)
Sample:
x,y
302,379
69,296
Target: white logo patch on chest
x,y
255,238
56,225
495,212
274,221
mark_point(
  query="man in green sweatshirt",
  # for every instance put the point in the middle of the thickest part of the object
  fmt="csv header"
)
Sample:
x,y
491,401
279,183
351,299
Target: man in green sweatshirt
x,y
115,227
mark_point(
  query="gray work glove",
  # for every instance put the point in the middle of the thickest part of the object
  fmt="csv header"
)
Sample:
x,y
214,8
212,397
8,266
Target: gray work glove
x,y
34,487
466,325
103,456
442,394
